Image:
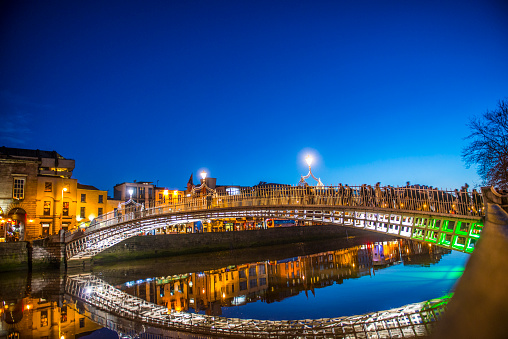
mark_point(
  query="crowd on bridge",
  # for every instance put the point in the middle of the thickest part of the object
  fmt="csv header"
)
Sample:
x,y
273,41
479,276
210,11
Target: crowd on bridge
x,y
409,197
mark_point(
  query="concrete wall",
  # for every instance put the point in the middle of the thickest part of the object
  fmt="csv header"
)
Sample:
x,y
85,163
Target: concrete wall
x,y
13,256
175,244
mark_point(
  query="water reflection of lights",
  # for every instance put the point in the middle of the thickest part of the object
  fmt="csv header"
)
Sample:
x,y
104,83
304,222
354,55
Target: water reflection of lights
x,y
240,300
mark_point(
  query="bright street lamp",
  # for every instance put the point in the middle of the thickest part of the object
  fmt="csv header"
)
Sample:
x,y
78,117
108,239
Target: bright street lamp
x,y
308,159
130,192
203,175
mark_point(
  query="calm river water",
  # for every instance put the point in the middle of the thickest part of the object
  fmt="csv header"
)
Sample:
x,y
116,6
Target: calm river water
x,y
303,281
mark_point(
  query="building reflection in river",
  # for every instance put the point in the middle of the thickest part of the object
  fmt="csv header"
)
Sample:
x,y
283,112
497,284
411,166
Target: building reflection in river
x,y
41,318
270,281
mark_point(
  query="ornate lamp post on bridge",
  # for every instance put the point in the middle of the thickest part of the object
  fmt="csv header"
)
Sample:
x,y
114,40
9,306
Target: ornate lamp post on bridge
x,y
203,185
302,182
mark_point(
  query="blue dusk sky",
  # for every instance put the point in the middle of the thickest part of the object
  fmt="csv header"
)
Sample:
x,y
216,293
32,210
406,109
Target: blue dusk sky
x,y
157,90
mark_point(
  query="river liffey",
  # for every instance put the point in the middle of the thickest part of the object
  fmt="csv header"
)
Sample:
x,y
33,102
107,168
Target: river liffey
x,y
316,280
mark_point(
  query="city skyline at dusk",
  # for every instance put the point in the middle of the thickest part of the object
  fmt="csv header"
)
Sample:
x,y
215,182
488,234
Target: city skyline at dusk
x,y
376,91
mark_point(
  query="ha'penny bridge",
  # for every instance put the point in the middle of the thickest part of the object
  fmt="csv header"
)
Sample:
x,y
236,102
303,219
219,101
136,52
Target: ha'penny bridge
x,y
452,220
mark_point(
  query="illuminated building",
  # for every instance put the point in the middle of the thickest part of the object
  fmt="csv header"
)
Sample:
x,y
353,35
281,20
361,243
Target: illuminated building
x,y
41,318
38,197
164,196
31,183
91,202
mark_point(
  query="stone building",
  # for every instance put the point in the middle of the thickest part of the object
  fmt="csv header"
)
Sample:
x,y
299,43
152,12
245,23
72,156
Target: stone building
x,y
38,195
31,182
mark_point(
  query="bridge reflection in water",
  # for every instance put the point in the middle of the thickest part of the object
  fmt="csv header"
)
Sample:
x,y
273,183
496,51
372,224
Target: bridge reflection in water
x,y
160,302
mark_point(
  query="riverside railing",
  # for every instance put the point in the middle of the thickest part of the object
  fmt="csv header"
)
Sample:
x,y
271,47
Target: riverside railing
x,y
461,203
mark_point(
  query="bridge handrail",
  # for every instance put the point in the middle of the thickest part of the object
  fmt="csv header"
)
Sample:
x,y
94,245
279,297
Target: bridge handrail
x,y
401,198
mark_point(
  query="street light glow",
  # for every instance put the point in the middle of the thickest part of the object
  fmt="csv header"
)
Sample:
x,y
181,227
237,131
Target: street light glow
x,y
308,159
203,175
131,191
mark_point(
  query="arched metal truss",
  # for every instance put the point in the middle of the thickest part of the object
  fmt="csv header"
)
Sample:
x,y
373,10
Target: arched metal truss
x,y
417,214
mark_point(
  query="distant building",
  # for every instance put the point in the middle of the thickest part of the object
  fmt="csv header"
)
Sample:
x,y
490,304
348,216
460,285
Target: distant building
x,y
165,196
91,202
142,192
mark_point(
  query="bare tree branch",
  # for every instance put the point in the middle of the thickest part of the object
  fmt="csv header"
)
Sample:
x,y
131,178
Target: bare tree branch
x,y
488,147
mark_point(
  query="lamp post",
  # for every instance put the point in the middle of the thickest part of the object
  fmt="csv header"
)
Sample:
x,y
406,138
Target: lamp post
x,y
61,215
130,193
308,160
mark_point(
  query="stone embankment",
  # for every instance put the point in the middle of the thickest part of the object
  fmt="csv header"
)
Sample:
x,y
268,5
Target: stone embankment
x,y
50,253
141,247
14,256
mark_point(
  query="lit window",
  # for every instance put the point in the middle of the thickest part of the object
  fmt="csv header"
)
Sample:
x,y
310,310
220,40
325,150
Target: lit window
x,y
47,208
48,186
18,189
65,210
44,318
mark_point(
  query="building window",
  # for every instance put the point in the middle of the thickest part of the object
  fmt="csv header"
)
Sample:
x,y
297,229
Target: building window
x,y
82,213
44,318
81,322
101,199
63,314
45,229
48,186
65,226
141,193
99,212
65,211
83,197
150,193
18,189
47,208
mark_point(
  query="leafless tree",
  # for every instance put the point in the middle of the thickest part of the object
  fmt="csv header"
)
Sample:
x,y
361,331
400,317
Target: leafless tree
x,y
488,147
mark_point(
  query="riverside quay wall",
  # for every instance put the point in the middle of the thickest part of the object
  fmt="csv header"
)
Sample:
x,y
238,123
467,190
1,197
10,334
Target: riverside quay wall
x,y
25,255
49,253
14,256
151,246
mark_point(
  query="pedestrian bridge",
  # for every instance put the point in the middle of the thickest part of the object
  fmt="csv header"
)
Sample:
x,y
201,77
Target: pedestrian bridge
x,y
450,219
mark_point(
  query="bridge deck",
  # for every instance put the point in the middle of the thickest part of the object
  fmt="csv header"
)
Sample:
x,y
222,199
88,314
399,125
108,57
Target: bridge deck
x,y
448,219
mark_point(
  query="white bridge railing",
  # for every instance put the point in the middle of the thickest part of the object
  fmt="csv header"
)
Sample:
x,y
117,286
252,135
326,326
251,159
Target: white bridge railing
x,y
460,203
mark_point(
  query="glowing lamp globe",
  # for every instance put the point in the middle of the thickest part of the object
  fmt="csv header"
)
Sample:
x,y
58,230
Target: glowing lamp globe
x,y
308,159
